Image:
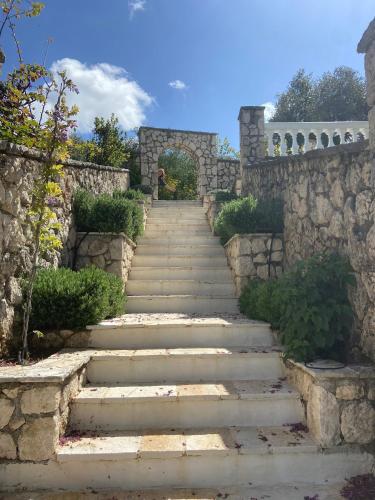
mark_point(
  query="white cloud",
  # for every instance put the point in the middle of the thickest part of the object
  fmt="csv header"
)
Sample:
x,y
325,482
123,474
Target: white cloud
x,y
178,85
136,6
104,89
269,111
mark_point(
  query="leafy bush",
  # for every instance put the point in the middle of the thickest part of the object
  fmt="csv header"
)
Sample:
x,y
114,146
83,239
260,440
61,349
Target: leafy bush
x,y
143,188
63,298
309,304
130,194
82,209
225,196
247,215
107,214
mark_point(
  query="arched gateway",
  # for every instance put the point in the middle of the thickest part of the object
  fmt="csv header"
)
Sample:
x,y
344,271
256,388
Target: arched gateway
x,y
201,146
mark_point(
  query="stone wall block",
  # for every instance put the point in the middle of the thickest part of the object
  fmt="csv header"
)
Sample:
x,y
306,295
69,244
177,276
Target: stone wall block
x,y
263,272
358,423
8,449
371,123
40,400
116,248
350,391
6,411
337,195
38,439
323,416
258,245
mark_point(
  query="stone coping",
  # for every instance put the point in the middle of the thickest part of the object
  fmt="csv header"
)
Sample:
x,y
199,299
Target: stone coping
x,y
354,147
173,130
56,368
355,371
233,160
122,235
251,235
34,154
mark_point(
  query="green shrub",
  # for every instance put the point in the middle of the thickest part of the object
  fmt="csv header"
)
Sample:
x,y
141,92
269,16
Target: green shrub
x,y
260,301
82,209
107,214
221,196
143,188
130,194
309,304
247,215
63,298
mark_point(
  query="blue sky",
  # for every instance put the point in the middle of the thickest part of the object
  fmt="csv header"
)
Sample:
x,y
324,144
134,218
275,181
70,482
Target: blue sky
x,y
191,64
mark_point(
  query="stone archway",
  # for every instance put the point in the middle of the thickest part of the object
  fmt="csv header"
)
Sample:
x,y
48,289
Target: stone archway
x,y
201,146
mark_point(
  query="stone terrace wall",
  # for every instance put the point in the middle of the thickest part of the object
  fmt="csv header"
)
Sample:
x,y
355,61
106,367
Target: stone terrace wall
x,y
18,167
254,256
329,204
228,171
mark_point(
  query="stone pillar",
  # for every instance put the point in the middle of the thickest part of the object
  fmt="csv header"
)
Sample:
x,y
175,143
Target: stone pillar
x,y
252,145
367,46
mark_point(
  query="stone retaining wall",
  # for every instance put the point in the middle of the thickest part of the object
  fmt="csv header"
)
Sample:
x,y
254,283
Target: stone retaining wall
x,y
329,204
228,171
34,405
18,168
108,251
340,404
211,208
254,256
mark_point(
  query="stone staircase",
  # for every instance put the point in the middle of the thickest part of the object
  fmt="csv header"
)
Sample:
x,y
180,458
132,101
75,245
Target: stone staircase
x,y
183,392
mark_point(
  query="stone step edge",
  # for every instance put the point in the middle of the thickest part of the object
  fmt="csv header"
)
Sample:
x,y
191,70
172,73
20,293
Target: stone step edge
x,y
280,491
182,296
217,391
199,352
172,324
182,443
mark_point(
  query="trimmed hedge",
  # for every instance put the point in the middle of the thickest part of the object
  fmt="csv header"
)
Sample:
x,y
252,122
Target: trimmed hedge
x,y
143,188
63,298
248,215
309,305
130,194
221,196
107,214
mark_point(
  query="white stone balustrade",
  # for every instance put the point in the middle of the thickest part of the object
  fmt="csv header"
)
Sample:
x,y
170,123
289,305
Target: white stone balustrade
x,y
348,131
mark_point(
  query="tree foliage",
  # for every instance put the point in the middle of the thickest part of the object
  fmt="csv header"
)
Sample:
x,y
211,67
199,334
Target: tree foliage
x,y
225,150
182,174
336,96
34,113
110,146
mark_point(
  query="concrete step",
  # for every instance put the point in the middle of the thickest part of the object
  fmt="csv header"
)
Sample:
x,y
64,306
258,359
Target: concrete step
x,y
201,442
178,261
173,218
179,287
177,203
180,273
184,365
169,233
297,491
176,249
158,239
174,333
208,459
203,458
175,221
203,304
240,403
186,226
